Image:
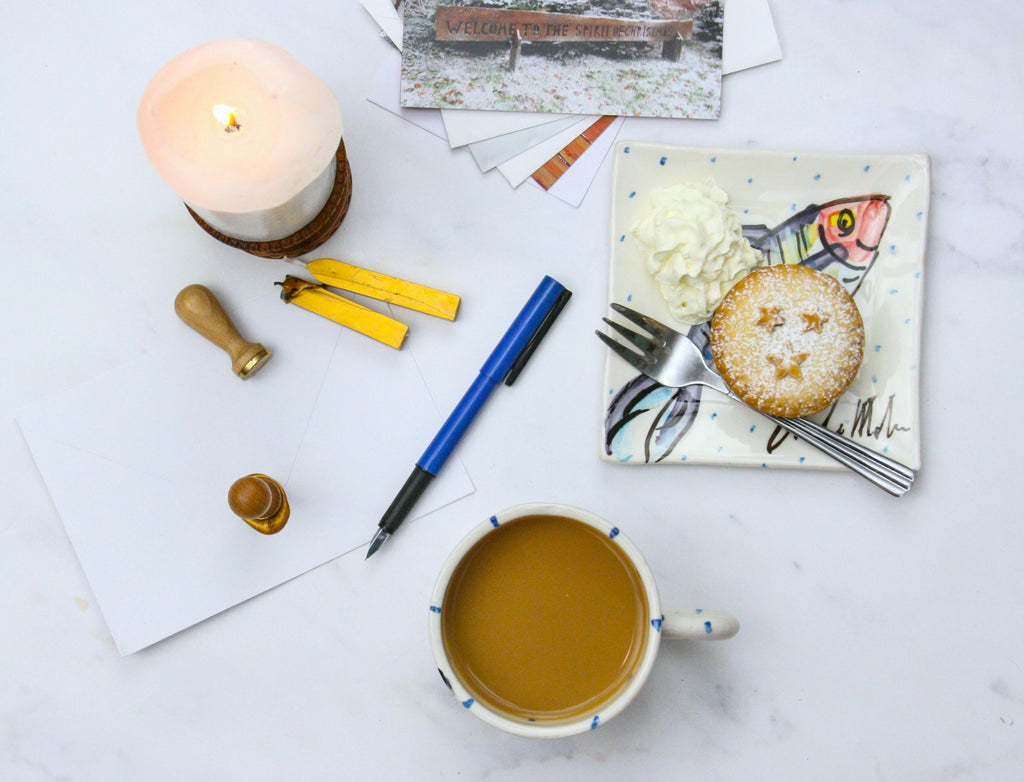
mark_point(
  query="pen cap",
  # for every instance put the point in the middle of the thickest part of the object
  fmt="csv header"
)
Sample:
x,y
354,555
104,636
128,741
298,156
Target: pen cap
x,y
534,314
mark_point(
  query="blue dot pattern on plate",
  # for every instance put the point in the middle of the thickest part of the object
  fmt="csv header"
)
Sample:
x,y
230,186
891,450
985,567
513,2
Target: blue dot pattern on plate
x,y
656,623
468,702
594,722
821,176
494,521
625,150
435,609
707,628
614,533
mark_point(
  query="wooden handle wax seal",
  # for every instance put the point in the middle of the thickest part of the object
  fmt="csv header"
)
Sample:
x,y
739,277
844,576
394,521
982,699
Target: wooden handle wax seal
x,y
260,502
199,308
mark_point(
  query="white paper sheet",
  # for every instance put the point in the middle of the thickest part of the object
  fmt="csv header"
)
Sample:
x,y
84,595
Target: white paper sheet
x,y
490,152
518,169
573,185
386,16
748,36
468,127
139,461
385,93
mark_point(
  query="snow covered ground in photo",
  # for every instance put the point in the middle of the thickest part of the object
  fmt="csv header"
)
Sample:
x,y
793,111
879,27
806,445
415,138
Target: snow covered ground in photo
x,y
560,78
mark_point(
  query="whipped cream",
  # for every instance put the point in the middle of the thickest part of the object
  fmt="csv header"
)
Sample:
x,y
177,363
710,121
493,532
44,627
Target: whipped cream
x,y
693,246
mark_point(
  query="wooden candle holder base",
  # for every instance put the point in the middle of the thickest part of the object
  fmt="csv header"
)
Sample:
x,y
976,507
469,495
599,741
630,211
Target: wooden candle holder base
x,y
310,237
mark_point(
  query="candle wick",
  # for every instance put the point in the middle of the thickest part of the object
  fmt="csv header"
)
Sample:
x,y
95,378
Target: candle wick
x,y
232,125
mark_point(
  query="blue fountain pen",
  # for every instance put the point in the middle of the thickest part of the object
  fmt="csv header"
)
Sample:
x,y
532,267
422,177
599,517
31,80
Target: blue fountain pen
x,y
502,366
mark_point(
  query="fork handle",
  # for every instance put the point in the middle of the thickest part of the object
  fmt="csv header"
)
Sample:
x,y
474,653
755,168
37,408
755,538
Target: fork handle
x,y
886,473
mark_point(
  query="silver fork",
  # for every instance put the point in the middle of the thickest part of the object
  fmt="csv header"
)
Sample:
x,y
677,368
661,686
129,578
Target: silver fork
x,y
675,361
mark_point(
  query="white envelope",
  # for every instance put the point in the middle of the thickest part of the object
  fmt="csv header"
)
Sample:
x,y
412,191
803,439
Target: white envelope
x,y
138,462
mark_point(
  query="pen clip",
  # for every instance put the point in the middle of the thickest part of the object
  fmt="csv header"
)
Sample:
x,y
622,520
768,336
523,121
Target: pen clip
x,y
538,335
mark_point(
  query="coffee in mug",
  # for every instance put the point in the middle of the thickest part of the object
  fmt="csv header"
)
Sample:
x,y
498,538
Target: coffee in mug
x,y
545,620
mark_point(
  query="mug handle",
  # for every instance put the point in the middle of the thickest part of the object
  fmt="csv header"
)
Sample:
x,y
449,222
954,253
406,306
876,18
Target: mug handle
x,y
697,624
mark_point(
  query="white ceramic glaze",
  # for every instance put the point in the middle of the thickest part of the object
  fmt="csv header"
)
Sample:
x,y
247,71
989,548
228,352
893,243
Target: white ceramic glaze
x,y
668,623
767,188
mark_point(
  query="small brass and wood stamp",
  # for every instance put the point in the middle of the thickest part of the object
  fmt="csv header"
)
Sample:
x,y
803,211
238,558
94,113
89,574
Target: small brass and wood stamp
x,y
199,308
260,502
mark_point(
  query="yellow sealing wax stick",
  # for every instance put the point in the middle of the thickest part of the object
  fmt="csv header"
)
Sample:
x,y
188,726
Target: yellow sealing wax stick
x,y
339,274
318,299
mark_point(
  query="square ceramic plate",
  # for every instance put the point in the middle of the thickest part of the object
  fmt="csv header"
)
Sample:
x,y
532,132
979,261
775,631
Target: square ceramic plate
x,y
880,203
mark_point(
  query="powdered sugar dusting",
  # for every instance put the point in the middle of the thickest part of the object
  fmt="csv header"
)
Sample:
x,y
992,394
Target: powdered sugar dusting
x,y
788,340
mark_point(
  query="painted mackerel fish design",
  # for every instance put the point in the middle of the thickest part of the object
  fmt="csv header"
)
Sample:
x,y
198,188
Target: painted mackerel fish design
x,y
840,238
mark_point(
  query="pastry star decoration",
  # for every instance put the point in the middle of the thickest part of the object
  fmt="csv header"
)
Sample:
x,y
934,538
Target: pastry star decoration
x,y
788,362
770,318
813,321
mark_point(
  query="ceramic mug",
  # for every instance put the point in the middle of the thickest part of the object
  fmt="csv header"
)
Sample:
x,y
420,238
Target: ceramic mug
x,y
545,621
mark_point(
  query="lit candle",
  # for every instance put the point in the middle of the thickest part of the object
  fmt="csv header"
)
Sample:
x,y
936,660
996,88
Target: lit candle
x,y
246,135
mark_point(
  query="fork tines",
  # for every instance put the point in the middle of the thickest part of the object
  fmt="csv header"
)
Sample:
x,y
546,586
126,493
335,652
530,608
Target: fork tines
x,y
635,360
649,324
641,342
648,348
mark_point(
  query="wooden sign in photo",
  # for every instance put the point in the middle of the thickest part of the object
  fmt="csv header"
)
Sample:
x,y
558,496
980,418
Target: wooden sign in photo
x,y
583,63
464,23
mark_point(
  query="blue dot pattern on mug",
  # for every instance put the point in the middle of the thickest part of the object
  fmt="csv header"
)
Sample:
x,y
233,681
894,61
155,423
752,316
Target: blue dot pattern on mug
x,y
469,703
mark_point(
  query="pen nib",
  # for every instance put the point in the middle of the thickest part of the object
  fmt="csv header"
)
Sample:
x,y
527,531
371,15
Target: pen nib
x,y
378,541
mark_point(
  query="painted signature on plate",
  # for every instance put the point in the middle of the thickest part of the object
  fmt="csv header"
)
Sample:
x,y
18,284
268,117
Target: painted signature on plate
x,y
840,238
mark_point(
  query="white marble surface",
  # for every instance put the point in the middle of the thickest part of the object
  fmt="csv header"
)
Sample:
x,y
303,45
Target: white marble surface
x,y
881,638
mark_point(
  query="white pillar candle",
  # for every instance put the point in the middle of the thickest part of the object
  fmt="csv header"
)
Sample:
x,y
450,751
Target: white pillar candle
x,y
245,134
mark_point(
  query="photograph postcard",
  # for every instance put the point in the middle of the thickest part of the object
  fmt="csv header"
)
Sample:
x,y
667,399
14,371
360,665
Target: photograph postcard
x,y
644,58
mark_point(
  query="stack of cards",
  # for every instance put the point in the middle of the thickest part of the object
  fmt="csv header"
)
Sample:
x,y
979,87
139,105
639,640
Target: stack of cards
x,y
541,96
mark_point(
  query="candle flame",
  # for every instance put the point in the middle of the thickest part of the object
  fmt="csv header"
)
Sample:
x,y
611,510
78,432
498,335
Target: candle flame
x,y
225,115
